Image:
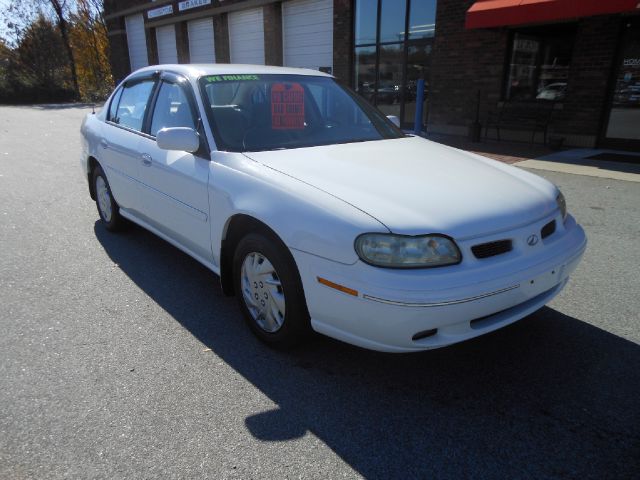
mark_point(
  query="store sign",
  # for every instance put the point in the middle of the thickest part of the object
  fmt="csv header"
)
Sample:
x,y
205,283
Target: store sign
x,y
160,12
526,45
188,4
631,62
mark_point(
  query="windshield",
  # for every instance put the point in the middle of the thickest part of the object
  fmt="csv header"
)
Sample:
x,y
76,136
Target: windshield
x,y
270,112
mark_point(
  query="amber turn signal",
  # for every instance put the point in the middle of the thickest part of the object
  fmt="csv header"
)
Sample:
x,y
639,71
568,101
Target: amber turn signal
x,y
337,286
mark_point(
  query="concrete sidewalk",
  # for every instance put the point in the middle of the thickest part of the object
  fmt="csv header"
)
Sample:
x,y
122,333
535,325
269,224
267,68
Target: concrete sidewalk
x,y
577,161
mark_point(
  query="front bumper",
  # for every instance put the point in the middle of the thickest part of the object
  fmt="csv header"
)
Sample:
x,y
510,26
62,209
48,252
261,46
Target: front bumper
x,y
460,302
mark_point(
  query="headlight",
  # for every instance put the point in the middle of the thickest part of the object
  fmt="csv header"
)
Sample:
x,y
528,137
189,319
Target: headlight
x,y
562,205
402,251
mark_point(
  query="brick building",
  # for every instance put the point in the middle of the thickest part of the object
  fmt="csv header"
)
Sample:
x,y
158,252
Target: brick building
x,y
576,62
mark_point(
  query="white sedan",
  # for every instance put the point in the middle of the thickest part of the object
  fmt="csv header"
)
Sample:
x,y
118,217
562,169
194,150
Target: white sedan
x,y
320,214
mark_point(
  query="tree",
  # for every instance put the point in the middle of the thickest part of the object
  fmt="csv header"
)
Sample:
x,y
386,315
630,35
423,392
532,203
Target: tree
x,y
88,35
22,11
17,16
61,9
5,58
36,67
82,68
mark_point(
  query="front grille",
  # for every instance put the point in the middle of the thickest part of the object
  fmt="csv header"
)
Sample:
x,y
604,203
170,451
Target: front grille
x,y
548,229
491,249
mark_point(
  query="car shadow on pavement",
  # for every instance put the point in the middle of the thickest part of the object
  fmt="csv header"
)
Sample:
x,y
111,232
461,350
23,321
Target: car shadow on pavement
x,y
550,396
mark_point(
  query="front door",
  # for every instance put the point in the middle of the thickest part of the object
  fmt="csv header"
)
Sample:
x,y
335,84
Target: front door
x,y
174,184
622,128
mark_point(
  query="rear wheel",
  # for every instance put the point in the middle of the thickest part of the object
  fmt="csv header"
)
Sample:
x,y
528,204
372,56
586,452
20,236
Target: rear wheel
x,y
108,209
270,292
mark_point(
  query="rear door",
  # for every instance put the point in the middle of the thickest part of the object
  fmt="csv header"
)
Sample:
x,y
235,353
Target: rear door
x,y
174,189
122,132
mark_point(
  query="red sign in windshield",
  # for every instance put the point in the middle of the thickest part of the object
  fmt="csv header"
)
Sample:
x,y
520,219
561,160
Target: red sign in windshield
x,y
287,106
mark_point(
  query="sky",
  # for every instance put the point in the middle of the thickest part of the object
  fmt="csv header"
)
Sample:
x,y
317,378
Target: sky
x,y
4,32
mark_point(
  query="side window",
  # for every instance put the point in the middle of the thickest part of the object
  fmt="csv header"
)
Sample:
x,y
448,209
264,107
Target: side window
x,y
113,108
133,104
172,109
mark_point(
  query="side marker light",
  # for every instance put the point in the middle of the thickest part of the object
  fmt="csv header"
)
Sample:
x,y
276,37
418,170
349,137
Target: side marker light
x,y
337,286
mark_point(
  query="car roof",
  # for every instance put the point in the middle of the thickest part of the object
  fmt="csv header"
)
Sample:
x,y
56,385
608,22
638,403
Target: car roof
x,y
195,70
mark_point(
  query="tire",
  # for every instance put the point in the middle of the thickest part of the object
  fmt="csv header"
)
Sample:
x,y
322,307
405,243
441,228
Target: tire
x,y
270,293
108,209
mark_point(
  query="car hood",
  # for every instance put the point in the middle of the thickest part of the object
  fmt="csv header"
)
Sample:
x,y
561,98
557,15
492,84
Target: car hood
x,y
414,186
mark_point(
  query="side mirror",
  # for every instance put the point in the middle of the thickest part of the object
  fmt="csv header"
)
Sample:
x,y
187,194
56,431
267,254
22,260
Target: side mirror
x,y
178,138
395,120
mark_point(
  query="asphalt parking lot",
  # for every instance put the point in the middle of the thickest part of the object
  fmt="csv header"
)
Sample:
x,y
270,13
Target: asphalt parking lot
x,y
121,358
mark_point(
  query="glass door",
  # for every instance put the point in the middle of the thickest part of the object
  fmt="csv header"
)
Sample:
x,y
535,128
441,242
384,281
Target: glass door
x,y
622,128
390,81
418,64
393,42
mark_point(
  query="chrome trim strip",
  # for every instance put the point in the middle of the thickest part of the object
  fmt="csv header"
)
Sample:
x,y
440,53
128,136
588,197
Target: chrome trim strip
x,y
440,304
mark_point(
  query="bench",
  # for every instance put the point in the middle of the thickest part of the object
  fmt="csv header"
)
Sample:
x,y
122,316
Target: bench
x,y
514,115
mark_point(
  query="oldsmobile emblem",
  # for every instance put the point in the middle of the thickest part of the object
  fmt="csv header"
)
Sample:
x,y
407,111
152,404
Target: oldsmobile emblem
x,y
532,240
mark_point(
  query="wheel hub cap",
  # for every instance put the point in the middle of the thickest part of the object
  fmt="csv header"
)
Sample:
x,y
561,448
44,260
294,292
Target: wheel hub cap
x,y
104,199
262,292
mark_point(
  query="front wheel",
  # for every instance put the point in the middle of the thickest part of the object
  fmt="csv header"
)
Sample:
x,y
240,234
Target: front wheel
x,y
269,290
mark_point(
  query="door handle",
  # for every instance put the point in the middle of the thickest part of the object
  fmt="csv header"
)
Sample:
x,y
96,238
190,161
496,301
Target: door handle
x,y
146,159
104,143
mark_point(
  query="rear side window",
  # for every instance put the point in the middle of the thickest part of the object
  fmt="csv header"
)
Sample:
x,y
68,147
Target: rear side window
x,y
172,109
133,104
113,108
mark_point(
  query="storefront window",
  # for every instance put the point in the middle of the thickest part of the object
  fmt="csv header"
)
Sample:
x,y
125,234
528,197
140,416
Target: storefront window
x,y
389,62
623,126
422,19
366,21
418,61
390,80
392,19
539,65
366,72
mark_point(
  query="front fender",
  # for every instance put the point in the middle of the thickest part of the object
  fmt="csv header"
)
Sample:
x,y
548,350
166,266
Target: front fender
x,y
304,217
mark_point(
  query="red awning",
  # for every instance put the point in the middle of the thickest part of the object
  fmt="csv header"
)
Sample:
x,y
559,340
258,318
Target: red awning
x,y
499,13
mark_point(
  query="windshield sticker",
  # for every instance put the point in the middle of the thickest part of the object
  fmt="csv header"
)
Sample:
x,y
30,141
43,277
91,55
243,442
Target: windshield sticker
x,y
231,78
287,106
